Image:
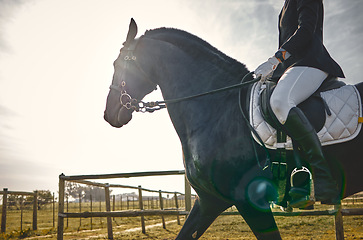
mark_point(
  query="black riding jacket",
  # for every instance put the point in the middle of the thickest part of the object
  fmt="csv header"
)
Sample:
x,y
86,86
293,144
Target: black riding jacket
x,y
301,34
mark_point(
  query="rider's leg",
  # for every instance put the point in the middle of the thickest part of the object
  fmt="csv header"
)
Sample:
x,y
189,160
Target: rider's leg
x,y
295,86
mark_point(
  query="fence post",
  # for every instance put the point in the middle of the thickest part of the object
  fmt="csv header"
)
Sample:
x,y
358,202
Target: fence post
x,y
35,211
108,209
339,230
53,211
141,205
61,208
67,208
188,196
100,207
91,210
162,208
177,207
113,205
80,209
21,213
3,215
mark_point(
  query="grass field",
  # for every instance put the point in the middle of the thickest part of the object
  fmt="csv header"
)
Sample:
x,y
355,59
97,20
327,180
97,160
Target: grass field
x,y
234,227
225,227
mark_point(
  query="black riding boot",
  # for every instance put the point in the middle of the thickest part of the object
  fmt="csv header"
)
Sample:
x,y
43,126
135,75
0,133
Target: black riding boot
x,y
301,131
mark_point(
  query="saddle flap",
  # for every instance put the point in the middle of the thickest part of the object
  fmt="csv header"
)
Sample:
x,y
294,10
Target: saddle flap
x,y
265,105
345,105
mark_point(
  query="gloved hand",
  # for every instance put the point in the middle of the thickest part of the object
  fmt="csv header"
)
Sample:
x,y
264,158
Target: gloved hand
x,y
266,69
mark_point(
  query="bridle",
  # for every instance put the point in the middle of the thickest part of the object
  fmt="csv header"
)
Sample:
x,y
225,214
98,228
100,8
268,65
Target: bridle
x,y
126,100
130,103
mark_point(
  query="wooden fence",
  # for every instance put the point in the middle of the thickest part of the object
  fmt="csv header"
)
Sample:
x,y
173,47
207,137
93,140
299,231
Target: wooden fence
x,y
337,212
5,194
83,179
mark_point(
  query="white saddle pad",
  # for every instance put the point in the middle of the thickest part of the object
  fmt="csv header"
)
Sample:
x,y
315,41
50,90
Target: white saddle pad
x,y
344,104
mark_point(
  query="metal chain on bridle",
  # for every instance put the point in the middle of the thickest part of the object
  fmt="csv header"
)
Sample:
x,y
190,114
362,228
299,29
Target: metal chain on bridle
x,y
150,106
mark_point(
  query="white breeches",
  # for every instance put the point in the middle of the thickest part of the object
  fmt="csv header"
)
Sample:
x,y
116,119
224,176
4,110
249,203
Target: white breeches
x,y
294,87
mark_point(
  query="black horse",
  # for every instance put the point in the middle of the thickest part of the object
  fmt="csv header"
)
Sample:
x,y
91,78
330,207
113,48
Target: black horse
x,y
222,162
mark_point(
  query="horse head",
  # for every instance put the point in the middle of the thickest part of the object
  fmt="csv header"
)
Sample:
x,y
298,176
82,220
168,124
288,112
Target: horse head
x,y
129,84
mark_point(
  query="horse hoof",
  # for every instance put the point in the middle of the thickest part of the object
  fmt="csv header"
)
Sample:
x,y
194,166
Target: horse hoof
x,y
287,209
302,203
331,202
299,193
310,207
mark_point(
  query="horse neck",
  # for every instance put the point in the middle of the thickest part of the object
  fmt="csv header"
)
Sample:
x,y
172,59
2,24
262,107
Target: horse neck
x,y
179,75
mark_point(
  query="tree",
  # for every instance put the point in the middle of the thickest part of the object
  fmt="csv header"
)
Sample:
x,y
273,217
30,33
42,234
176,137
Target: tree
x,y
44,197
14,201
75,191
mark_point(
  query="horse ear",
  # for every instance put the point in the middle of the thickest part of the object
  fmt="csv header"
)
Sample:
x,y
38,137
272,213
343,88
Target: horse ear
x,y
132,32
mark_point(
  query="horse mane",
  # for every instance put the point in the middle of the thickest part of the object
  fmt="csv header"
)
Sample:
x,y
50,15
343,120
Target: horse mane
x,y
217,67
198,49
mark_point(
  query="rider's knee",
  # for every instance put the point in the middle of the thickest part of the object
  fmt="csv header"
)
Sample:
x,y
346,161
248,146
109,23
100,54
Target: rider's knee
x,y
279,107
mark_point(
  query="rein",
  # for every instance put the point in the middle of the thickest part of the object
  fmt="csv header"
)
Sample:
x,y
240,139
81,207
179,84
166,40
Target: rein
x,y
157,105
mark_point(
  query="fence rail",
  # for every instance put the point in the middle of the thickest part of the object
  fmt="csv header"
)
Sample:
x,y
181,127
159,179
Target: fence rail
x,y
122,175
131,213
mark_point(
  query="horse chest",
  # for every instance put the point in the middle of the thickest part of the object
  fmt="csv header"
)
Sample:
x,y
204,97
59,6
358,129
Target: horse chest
x,y
216,171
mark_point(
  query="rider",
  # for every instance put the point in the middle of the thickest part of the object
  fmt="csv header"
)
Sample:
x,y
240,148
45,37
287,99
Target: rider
x,y
301,64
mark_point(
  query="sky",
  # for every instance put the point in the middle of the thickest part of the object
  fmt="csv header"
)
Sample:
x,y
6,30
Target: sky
x,y
56,66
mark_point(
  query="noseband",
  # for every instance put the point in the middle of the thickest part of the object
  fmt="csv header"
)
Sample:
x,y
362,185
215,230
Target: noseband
x,y
125,99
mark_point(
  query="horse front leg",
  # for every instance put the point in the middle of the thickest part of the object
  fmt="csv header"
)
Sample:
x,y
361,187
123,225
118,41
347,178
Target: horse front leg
x,y
256,211
262,223
205,210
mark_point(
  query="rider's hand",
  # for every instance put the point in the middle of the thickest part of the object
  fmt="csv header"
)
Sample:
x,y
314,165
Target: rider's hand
x,y
266,69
